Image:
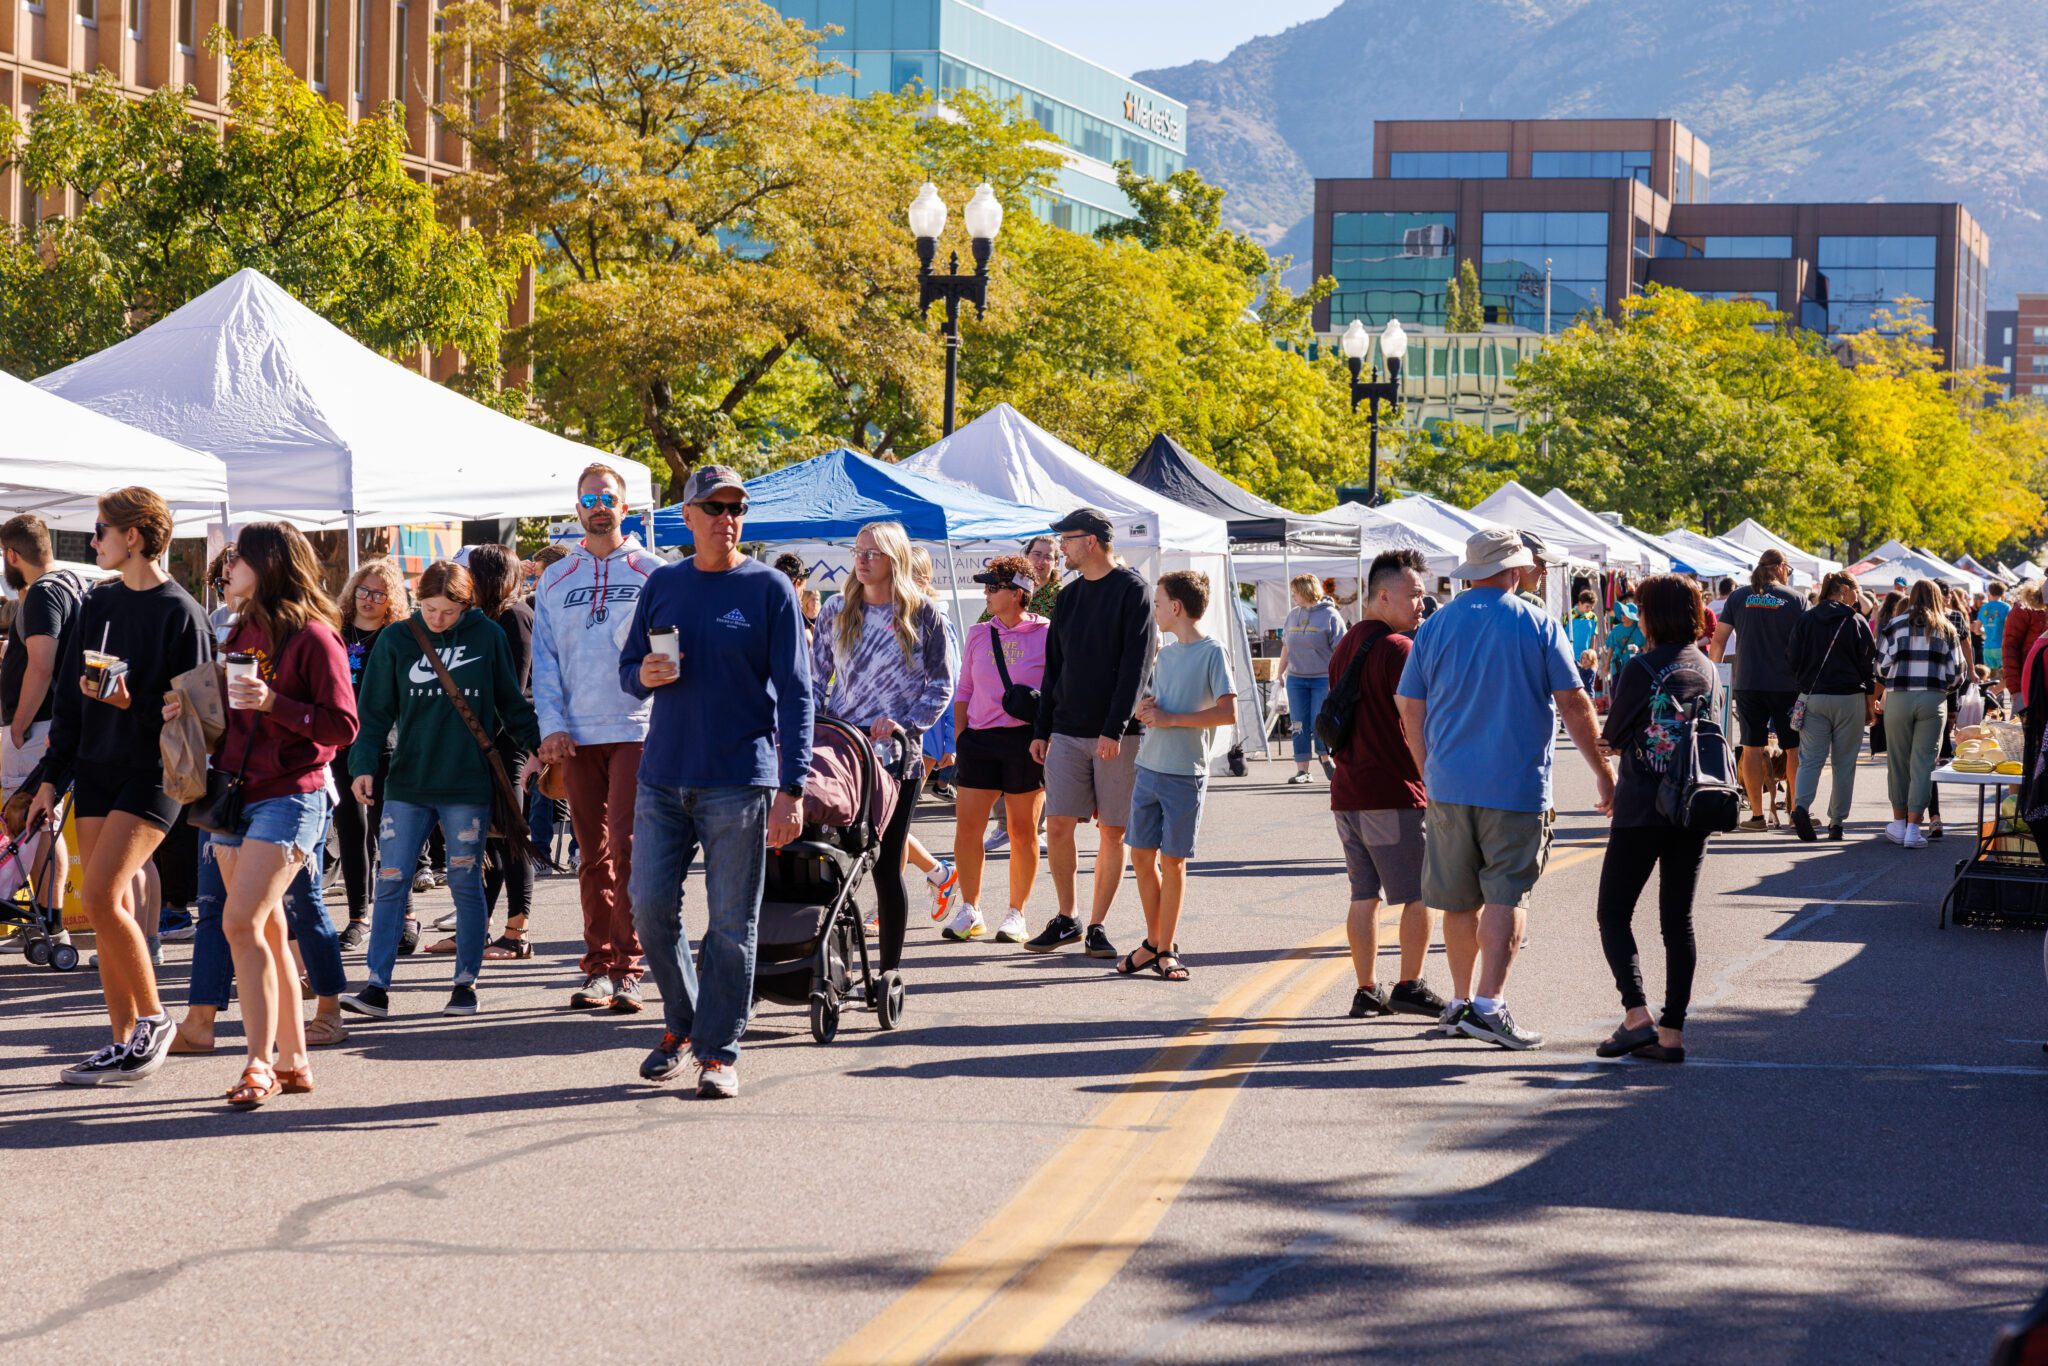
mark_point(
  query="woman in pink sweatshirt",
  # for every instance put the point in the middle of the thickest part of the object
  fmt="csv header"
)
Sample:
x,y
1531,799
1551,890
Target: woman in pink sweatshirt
x,y
994,743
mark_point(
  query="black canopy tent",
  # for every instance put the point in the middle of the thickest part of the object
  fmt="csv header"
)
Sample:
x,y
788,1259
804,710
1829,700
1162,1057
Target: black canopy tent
x,y
1166,468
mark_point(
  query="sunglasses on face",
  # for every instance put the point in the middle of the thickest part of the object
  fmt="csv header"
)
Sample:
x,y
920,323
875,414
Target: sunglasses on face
x,y
595,500
230,555
100,529
1002,588
719,508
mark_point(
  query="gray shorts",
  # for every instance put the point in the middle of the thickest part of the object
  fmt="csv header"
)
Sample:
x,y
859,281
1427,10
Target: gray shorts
x,y
1079,785
1165,810
1481,855
1383,853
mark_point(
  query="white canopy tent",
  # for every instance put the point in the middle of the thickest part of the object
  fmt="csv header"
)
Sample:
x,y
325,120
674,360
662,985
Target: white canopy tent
x,y
1756,536
317,429
1380,530
1703,561
1621,546
1740,555
1912,565
60,457
1511,505
1005,454
1454,525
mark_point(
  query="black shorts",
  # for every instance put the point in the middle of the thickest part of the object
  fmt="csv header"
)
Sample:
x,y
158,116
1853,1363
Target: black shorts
x,y
97,793
1758,711
998,760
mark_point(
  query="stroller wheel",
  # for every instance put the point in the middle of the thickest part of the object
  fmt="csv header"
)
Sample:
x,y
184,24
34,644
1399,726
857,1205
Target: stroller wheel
x,y
37,951
824,1017
889,999
63,957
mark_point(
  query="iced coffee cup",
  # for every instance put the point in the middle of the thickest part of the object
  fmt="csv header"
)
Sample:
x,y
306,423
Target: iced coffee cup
x,y
238,666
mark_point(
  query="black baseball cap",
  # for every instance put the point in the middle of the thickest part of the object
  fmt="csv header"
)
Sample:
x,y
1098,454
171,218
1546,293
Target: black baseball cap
x,y
998,578
1089,520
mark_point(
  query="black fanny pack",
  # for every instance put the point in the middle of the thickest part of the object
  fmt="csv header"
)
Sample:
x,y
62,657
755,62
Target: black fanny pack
x,y
1019,701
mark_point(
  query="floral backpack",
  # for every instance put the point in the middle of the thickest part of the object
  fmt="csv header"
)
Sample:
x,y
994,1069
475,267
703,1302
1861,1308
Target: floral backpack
x,y
1668,718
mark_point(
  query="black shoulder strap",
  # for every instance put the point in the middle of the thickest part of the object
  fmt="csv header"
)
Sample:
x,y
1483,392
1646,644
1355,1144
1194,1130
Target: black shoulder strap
x,y
995,640
1355,670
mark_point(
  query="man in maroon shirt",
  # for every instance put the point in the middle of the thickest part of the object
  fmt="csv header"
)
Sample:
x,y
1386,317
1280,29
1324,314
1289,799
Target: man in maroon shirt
x,y
1377,794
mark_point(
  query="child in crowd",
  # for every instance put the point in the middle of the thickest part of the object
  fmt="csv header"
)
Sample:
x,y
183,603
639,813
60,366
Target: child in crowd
x,y
1191,695
1589,672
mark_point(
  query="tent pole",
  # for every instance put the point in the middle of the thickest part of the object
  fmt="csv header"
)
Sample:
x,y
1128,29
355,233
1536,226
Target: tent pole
x,y
353,553
953,585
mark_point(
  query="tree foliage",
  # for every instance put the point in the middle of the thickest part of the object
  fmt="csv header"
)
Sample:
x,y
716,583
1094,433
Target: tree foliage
x,y
1464,310
1696,412
170,204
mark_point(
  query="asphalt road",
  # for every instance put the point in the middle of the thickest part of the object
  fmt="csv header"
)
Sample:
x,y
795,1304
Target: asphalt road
x,y
1049,1160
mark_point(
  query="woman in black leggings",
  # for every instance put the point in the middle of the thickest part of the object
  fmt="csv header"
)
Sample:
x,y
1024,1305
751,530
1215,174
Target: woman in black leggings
x,y
1648,695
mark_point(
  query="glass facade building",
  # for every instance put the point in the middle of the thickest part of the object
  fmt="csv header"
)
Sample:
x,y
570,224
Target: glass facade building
x,y
1393,265
1517,248
1098,116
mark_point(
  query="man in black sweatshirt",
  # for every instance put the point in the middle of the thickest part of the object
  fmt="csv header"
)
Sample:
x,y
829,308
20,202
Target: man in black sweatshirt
x,y
1098,659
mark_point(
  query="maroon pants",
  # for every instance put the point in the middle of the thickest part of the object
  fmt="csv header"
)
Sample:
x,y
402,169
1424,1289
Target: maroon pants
x,y
602,781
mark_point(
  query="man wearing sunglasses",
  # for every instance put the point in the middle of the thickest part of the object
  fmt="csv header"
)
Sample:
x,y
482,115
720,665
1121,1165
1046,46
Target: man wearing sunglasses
x,y
731,683
582,609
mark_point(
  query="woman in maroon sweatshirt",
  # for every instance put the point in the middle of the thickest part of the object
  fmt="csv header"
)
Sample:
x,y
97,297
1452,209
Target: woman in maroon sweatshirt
x,y
291,707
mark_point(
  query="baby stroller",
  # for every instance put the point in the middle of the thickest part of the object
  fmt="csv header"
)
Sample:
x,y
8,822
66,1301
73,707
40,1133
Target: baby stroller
x,y
810,934
38,931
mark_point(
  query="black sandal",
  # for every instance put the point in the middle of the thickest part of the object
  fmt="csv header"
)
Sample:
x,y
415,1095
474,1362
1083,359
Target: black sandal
x,y
1177,973
508,946
1129,966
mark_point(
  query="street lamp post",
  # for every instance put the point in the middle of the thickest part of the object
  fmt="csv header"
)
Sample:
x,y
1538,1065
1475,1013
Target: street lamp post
x,y
1393,346
984,215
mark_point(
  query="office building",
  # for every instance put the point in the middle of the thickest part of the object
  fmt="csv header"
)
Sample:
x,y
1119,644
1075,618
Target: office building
x,y
1564,218
2030,347
1098,116
2000,327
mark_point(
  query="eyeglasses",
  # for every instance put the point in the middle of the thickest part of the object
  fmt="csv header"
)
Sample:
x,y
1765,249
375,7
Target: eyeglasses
x,y
717,508
373,594
230,555
592,500
1066,536
869,556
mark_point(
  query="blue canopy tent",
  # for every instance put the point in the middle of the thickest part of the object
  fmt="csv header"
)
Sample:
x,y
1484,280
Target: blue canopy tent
x,y
830,498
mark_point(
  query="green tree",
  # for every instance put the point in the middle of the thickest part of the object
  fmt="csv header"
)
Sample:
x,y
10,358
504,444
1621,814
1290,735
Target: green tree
x,y
170,204
1463,309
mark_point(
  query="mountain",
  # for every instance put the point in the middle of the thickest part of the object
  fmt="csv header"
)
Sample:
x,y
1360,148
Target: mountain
x,y
1804,100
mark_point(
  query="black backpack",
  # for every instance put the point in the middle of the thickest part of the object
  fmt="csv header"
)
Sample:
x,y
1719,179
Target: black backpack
x,y
1698,792
1340,708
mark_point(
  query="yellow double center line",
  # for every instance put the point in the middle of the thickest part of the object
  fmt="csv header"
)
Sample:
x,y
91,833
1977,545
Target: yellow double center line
x,y
1009,1289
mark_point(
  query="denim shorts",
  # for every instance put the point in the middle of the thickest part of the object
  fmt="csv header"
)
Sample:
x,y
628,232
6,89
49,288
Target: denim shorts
x,y
1165,809
297,820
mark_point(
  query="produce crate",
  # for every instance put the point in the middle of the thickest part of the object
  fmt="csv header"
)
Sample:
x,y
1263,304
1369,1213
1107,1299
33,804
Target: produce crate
x,y
2001,894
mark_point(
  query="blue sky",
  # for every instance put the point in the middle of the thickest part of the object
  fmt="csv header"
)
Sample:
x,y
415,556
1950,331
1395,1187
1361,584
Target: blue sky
x,y
1134,37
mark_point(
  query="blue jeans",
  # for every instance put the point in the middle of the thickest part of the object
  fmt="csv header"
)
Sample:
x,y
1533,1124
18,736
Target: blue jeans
x,y
731,825
400,838
1305,694
305,915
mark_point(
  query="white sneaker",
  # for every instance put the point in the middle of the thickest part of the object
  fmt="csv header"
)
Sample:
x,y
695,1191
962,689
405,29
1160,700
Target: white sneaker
x,y
1895,831
945,889
1013,930
1914,839
964,924
446,922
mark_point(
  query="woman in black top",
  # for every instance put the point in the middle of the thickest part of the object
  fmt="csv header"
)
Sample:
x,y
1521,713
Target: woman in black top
x,y
1834,657
372,599
1648,695
104,737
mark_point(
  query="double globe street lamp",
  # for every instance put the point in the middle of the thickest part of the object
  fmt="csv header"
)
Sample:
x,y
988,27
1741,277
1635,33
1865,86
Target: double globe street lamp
x,y
984,215
1393,346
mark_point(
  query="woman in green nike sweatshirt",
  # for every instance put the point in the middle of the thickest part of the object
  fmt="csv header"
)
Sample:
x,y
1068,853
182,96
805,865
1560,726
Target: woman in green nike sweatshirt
x,y
438,772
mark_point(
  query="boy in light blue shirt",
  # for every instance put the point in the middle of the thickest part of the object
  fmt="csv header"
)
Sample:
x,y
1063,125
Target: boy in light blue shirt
x,y
1191,695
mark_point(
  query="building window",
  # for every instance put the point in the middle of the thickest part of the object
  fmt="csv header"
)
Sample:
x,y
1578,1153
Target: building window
x,y
2040,336
89,13
1448,165
1590,166
2038,363
135,20
1391,265
401,62
1512,253
277,18
1724,248
440,61
1863,276
2008,336
188,24
359,16
320,16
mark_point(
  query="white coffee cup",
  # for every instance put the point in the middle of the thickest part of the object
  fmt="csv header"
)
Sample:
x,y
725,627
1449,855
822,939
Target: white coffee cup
x,y
664,641
238,666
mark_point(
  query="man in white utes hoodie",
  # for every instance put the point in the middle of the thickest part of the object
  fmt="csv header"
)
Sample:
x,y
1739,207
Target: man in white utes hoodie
x,y
582,609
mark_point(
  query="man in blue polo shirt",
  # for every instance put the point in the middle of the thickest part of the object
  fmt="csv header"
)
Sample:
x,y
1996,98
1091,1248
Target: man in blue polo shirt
x,y
730,677
1485,686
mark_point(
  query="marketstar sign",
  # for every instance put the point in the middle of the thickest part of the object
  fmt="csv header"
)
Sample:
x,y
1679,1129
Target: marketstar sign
x,y
1152,120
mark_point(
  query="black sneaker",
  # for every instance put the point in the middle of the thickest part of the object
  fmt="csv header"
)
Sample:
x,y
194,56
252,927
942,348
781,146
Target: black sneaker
x,y
372,1001
461,1001
98,1069
596,993
1415,998
149,1047
1098,945
1497,1026
409,938
666,1060
1367,1002
1059,932
355,936
1802,822
1835,833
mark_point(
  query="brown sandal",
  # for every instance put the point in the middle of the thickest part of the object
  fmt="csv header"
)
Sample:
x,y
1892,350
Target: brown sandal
x,y
258,1084
441,946
324,1031
295,1081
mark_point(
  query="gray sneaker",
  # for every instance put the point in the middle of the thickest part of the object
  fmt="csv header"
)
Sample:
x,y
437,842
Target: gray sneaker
x,y
1497,1026
596,993
626,997
717,1080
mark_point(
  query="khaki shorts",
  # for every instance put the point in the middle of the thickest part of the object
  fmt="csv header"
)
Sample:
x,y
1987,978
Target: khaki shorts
x,y
1079,785
1382,854
1480,855
17,764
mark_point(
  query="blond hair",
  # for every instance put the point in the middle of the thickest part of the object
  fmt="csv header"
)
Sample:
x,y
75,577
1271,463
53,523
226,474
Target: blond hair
x,y
1308,586
397,602
894,542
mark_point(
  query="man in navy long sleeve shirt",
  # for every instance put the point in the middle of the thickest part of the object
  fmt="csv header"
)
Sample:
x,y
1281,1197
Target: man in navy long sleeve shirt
x,y
741,683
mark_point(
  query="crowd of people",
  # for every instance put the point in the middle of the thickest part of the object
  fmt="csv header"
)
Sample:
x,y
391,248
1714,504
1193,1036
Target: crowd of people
x,y
670,708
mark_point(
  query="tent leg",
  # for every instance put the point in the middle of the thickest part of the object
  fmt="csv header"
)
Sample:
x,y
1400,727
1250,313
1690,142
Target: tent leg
x,y
353,553
953,587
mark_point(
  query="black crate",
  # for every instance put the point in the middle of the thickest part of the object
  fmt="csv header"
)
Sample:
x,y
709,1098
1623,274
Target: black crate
x,y
2002,894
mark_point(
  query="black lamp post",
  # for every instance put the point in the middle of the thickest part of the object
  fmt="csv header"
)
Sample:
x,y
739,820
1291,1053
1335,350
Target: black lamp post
x,y
984,215
1393,345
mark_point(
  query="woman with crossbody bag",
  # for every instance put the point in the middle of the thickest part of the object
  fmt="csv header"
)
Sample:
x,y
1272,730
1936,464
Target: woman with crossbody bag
x,y
1835,656
448,649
